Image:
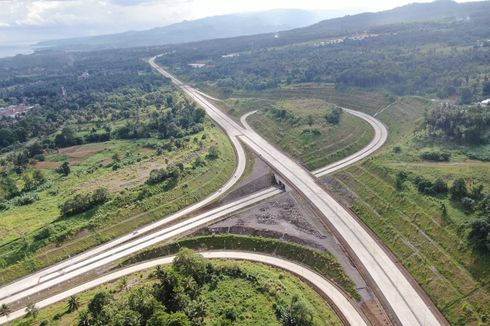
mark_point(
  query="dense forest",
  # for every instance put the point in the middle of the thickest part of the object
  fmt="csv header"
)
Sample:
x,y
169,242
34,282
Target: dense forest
x,y
443,58
71,86
467,125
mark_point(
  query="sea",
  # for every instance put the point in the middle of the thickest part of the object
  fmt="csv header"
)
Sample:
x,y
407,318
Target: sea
x,y
10,50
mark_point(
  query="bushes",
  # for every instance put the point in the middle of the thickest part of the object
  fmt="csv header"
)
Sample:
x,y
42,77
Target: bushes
x,y
25,199
427,187
322,262
160,175
334,116
479,235
435,156
213,153
83,202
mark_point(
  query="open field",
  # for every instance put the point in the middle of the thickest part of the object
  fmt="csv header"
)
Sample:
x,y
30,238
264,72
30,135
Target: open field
x,y
133,202
431,244
252,299
303,131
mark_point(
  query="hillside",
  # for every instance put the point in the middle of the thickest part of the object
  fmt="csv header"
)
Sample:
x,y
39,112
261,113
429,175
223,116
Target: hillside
x,y
443,11
201,29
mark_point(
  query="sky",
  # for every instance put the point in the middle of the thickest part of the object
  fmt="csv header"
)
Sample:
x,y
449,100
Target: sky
x,y
28,21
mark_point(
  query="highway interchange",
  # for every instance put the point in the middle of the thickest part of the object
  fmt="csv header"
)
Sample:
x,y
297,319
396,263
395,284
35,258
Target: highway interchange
x,y
406,303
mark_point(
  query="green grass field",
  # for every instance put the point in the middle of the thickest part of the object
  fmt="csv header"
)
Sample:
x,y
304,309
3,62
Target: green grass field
x,y
127,209
431,245
252,302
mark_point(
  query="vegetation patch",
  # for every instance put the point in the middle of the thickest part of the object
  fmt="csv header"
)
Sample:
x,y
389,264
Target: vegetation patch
x,y
194,291
322,262
432,215
313,131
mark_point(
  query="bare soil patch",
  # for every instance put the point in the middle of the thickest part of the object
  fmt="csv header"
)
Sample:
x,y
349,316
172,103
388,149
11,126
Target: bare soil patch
x,y
47,165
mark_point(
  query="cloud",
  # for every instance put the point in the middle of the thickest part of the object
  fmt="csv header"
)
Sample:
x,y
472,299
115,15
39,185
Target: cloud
x,y
131,2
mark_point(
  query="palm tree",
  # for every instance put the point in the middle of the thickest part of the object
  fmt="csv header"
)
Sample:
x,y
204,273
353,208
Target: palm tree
x,y
31,310
4,310
84,318
73,303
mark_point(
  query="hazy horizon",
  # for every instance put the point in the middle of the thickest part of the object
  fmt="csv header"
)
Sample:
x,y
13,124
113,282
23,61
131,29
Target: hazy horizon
x,y
24,23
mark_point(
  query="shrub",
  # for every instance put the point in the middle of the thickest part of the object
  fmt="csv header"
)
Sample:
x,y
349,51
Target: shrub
x,y
83,202
436,156
26,199
64,169
334,116
458,189
213,153
160,175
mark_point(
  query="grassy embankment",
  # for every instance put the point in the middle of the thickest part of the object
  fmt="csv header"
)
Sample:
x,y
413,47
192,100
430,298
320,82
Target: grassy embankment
x,y
323,263
303,131
433,247
252,302
35,235
430,244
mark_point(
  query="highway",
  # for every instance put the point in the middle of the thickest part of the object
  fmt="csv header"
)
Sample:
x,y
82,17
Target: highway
x,y
380,136
35,278
407,304
51,277
342,303
404,300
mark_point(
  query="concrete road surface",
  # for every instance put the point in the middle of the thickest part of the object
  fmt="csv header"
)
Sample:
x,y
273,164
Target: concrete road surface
x,y
49,278
407,304
341,302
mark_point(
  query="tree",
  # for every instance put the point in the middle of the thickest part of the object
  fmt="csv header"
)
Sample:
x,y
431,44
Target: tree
x,y
84,318
486,88
189,263
169,290
161,318
29,183
296,314
440,186
66,138
4,310
9,187
334,116
458,190
196,311
73,303
479,234
38,177
400,178
98,302
213,153
7,137
142,301
31,310
64,169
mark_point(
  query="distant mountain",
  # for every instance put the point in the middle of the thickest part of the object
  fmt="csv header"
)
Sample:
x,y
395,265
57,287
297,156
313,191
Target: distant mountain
x,y
202,29
437,11
415,12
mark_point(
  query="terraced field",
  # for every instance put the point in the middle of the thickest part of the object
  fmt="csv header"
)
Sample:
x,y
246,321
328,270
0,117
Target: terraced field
x,y
431,244
34,236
